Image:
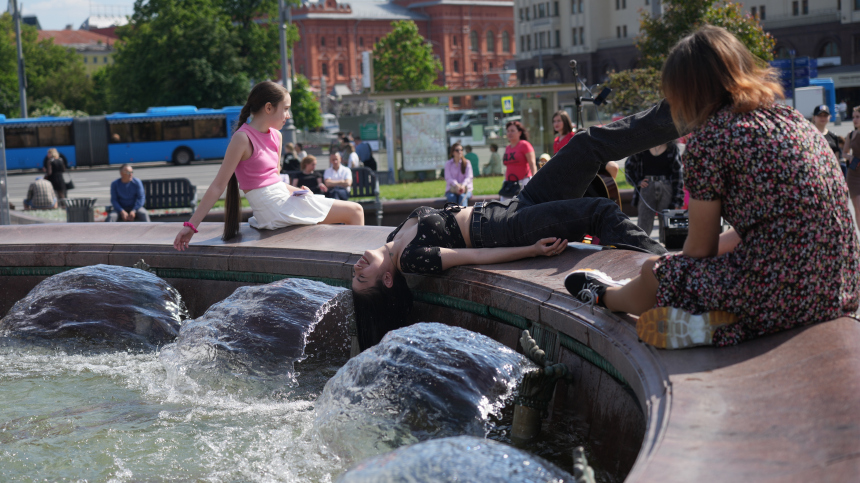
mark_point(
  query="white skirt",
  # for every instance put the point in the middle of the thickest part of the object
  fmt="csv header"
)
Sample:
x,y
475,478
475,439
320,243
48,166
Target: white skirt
x,y
275,207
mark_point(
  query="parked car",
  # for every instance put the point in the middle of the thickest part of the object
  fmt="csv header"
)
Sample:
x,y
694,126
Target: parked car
x,y
330,124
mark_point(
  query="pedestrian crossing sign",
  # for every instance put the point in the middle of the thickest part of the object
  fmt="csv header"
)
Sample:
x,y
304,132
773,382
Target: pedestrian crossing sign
x,y
508,104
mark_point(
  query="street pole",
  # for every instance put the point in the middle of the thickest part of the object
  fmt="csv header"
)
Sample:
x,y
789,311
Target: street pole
x,y
4,185
284,19
22,81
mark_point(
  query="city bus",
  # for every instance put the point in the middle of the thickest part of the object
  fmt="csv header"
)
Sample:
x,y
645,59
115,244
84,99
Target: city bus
x,y
179,134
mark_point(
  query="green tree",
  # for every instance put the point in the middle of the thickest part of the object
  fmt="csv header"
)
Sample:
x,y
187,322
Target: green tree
x,y
55,74
257,39
403,60
681,17
639,88
306,107
177,52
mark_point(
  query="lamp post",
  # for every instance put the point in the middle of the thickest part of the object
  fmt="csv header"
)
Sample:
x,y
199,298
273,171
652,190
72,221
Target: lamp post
x,y
22,81
284,19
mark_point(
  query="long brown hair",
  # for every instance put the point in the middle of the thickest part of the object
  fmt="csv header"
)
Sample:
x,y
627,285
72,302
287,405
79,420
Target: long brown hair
x,y
711,69
567,125
463,159
262,93
524,136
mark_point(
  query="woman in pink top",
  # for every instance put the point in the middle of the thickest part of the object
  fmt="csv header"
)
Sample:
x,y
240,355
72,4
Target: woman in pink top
x,y
458,177
519,157
252,163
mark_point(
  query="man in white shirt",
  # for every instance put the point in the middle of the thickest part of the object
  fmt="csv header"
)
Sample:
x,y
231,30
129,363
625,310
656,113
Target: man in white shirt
x,y
337,178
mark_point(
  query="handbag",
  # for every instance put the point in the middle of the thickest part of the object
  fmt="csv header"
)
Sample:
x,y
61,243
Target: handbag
x,y
70,185
510,187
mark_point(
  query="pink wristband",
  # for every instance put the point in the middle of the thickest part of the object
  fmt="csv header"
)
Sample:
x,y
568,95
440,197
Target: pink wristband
x,y
190,225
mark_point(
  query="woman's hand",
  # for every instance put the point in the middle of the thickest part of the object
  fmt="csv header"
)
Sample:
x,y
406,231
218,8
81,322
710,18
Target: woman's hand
x,y
183,238
643,183
548,247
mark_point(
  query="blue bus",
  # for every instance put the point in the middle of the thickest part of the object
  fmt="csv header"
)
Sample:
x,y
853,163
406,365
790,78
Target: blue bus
x,y
179,134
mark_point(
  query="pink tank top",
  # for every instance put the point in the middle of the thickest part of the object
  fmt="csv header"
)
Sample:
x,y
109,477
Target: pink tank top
x,y
263,167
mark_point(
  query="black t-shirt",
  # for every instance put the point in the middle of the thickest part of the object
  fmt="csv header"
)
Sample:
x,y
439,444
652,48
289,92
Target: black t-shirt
x,y
436,228
312,181
834,144
660,165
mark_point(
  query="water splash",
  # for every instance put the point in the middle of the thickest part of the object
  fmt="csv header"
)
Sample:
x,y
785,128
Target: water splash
x,y
421,382
101,303
252,340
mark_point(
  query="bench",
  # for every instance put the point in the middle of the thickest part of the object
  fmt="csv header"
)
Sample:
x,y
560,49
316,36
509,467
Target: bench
x,y
364,185
168,193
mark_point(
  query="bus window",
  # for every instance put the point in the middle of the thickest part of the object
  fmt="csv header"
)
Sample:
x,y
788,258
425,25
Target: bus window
x,y
176,130
210,128
55,135
120,133
146,131
21,137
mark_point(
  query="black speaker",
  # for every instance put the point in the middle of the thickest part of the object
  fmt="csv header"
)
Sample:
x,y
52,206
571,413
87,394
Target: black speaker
x,y
674,225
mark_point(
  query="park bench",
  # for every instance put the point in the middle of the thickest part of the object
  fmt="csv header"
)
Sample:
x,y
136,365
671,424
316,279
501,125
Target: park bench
x,y
162,194
364,185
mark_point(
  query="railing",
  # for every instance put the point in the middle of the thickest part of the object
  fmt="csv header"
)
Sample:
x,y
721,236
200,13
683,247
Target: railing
x,y
813,17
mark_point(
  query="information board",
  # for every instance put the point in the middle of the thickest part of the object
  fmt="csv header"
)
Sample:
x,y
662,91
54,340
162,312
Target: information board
x,y
425,141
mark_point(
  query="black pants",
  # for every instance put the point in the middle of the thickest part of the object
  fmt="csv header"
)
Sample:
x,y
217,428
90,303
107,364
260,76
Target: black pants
x,y
551,205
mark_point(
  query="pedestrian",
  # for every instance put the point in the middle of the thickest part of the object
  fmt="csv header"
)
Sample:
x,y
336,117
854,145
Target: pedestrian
x,y
300,151
852,161
656,175
519,160
40,195
820,118
337,178
363,150
472,158
458,177
353,162
792,257
54,167
127,197
494,167
563,128
251,162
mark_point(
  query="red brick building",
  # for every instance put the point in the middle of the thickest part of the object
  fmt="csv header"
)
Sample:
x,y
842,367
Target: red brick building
x,y
473,40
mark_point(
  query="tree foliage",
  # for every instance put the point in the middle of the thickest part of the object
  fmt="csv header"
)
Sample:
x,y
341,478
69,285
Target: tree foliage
x,y
305,107
639,88
55,74
681,17
403,60
177,52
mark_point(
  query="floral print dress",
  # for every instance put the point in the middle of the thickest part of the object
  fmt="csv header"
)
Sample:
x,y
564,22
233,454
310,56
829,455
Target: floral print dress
x,y
782,190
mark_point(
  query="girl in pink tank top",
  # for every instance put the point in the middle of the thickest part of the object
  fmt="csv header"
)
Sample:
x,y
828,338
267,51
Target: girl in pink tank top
x,y
252,163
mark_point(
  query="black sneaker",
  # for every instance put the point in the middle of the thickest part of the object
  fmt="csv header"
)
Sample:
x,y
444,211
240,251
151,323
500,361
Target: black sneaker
x,y
588,286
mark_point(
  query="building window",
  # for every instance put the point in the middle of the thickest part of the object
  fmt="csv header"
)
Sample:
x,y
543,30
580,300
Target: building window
x,y
805,7
761,12
579,2
361,41
105,60
541,11
543,42
85,59
618,32
325,69
647,2
856,4
555,9
558,38
617,4
581,35
474,67
624,31
521,15
534,11
754,11
454,40
574,37
830,49
795,8
339,44
506,42
781,53
340,69
473,40
322,41
528,14
456,67
491,41
376,41
522,44
528,42
623,4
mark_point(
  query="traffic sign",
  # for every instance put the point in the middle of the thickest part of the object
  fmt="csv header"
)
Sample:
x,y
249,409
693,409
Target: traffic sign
x,y
508,104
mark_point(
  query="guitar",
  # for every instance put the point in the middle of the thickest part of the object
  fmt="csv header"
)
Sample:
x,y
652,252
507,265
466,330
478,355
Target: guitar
x,y
603,186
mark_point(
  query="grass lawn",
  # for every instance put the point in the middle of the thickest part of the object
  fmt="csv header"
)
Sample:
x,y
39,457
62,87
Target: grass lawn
x,y
436,189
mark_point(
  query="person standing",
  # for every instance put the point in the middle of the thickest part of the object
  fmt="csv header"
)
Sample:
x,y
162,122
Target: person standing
x,y
290,162
365,153
657,176
300,151
127,197
55,166
519,159
852,159
820,118
494,167
337,178
563,128
353,162
472,158
458,177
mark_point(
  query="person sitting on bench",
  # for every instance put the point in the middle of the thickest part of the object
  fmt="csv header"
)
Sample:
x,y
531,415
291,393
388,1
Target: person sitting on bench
x,y
127,197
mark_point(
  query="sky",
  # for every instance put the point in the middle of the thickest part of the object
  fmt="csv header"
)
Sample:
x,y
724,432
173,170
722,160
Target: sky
x,y
56,14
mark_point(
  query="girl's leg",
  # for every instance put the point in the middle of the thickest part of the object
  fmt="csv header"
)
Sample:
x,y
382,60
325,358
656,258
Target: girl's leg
x,y
346,212
568,174
639,295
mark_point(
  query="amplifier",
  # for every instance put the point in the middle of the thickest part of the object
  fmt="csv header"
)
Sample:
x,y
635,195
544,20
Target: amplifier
x,y
674,225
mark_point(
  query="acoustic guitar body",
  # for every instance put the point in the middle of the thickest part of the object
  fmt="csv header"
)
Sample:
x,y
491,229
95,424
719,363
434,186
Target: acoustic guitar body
x,y
603,186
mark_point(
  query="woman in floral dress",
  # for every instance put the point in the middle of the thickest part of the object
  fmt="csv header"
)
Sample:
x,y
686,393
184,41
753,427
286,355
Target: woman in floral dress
x,y
791,258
